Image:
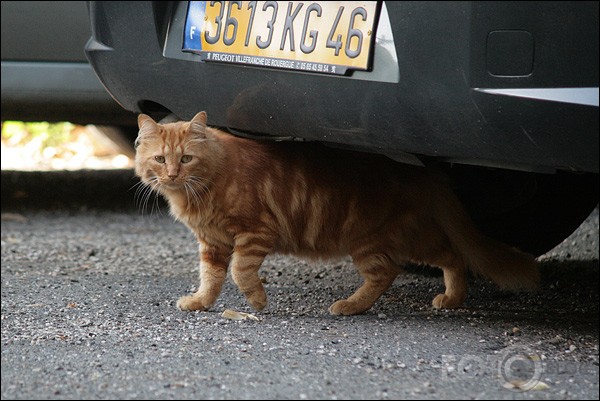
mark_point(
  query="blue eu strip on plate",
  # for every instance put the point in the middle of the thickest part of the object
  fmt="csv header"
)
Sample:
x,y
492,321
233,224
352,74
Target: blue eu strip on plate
x,y
193,26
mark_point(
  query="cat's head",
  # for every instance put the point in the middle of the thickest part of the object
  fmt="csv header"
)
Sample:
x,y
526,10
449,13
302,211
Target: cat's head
x,y
175,156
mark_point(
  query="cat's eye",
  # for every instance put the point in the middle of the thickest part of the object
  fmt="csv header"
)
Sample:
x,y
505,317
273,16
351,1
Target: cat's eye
x,y
186,158
160,159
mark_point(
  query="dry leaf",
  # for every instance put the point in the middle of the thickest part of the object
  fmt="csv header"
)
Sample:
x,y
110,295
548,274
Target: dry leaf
x,y
234,315
525,385
539,386
35,305
19,218
514,384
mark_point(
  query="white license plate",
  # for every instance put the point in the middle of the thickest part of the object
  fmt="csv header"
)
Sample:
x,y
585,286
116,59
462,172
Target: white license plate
x,y
330,37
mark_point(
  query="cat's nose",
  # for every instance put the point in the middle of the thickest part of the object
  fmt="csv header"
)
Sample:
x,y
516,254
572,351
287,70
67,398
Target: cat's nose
x,y
172,176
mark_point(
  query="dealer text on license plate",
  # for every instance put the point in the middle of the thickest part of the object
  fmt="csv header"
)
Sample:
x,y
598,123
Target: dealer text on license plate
x,y
325,36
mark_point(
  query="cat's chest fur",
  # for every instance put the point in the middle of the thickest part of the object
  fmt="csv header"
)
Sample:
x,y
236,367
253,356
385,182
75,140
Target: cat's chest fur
x,y
208,222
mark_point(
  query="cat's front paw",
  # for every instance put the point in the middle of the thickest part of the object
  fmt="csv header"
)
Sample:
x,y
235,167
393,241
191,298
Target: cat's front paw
x,y
258,300
191,303
443,301
345,307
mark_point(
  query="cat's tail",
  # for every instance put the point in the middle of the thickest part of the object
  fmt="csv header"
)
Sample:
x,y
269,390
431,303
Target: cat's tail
x,y
507,266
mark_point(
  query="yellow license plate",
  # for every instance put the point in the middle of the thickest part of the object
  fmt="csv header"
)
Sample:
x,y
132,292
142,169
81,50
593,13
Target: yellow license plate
x,y
329,37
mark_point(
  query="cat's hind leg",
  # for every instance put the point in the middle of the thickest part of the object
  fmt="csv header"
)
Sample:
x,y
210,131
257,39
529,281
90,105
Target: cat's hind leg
x,y
378,272
454,280
456,290
213,272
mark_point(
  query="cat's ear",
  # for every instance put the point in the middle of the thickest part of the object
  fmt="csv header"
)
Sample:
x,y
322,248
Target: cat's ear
x,y
145,121
147,125
198,123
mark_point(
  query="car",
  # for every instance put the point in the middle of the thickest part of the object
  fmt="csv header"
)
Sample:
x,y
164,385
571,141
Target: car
x,y
46,75
501,95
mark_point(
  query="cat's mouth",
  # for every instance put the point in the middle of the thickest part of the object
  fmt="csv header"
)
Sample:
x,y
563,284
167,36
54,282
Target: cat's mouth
x,y
169,184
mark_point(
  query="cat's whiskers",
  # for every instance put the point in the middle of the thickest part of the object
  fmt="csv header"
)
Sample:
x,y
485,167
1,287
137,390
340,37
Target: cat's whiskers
x,y
155,204
202,185
190,197
149,190
143,193
140,194
199,191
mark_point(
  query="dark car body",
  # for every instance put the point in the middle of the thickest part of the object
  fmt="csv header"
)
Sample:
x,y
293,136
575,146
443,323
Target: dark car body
x,y
509,88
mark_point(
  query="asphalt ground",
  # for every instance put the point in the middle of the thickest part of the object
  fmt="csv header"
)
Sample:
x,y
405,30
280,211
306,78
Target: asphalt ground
x,y
88,312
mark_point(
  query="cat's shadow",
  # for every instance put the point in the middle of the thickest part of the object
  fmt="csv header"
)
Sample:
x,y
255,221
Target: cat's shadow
x,y
567,297
568,293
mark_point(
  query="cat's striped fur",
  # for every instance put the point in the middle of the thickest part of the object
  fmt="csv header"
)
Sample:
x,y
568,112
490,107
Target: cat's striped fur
x,y
245,199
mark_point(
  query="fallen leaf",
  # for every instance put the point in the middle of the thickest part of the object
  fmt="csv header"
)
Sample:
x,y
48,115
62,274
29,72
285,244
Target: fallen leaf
x,y
539,386
234,315
19,218
525,385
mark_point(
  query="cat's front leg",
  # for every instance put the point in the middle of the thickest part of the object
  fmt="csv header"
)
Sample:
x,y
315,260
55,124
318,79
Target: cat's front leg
x,y
213,272
248,254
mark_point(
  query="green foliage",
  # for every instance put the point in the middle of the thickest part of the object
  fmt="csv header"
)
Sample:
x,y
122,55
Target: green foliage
x,y
46,134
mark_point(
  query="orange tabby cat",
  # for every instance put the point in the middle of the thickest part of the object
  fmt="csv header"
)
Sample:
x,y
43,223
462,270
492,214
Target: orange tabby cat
x,y
245,199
